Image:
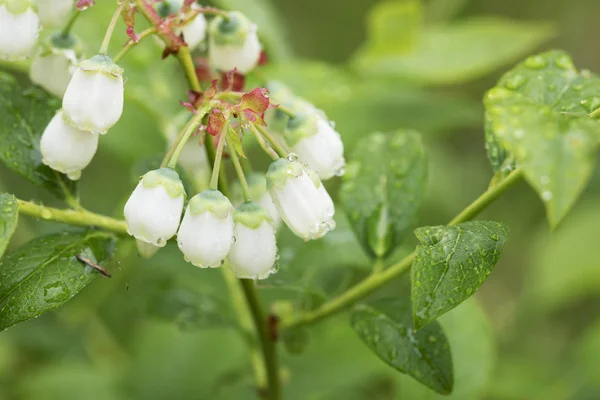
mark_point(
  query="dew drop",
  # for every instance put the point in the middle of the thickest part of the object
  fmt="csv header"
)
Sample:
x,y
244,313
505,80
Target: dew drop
x,y
340,171
536,62
563,62
546,195
515,82
292,157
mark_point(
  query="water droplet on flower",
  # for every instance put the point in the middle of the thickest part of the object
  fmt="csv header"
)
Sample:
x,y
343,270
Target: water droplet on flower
x,y
340,171
233,240
292,157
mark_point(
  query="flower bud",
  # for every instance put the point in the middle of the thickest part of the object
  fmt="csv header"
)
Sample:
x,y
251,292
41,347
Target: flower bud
x,y
146,250
254,250
206,232
258,190
54,64
194,31
53,12
233,43
154,208
93,100
65,148
19,29
299,202
316,143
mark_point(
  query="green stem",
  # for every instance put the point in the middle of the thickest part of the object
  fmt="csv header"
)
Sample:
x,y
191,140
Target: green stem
x,y
268,345
71,200
239,170
214,178
130,43
276,145
244,318
69,25
185,59
378,279
286,111
263,144
72,217
111,28
177,147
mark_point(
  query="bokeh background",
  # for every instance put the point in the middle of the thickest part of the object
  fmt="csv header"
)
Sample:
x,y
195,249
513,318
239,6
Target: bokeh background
x,y
161,329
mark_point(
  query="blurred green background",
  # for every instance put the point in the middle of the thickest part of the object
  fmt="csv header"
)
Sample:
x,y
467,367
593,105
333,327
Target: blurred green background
x,y
162,329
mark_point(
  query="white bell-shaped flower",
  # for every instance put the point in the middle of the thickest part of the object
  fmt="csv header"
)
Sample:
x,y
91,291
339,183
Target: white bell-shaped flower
x,y
257,183
323,194
194,32
298,200
54,12
254,251
53,64
67,149
154,208
316,144
233,43
93,100
146,250
19,29
206,232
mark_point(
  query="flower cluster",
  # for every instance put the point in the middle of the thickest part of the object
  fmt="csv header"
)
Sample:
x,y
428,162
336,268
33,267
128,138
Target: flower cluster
x,y
210,231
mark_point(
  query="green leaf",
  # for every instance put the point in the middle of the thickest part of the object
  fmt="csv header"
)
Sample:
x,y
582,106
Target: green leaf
x,y
539,111
459,52
393,27
44,273
451,264
383,188
386,327
473,355
25,110
9,214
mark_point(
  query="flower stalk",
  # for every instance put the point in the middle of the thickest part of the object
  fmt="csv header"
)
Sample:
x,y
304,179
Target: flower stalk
x,y
111,28
78,217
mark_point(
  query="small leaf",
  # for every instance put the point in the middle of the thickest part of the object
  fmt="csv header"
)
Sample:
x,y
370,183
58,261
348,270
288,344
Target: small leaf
x,y
451,264
9,214
462,51
237,142
540,111
44,273
383,188
216,120
25,110
253,105
386,327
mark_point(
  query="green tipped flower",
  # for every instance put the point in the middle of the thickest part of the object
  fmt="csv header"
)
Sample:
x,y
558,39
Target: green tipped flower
x,y
154,208
233,43
206,232
254,251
